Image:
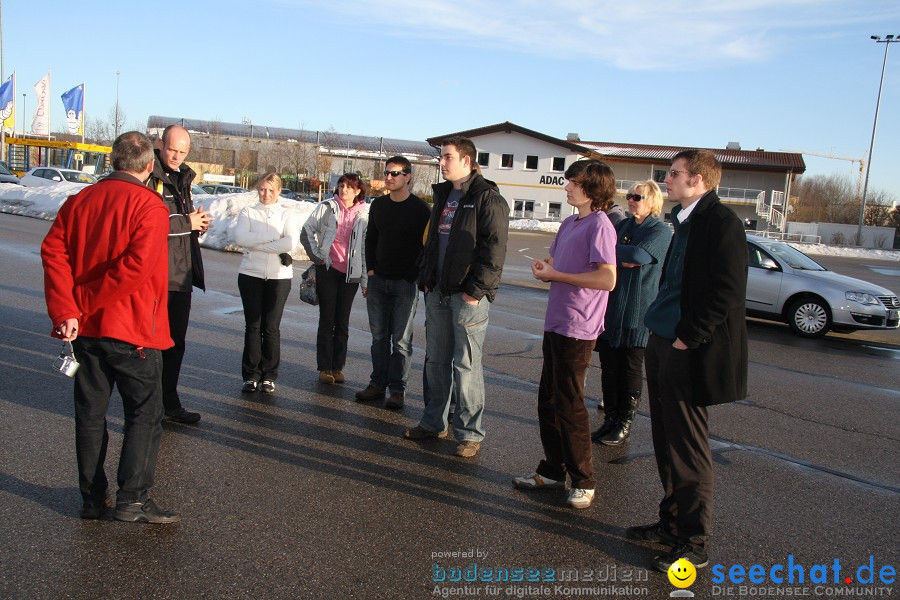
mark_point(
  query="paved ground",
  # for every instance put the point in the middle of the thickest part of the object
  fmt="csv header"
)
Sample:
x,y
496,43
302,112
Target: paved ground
x,y
311,495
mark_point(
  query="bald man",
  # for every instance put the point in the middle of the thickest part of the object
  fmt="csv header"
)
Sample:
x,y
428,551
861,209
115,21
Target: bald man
x,y
172,179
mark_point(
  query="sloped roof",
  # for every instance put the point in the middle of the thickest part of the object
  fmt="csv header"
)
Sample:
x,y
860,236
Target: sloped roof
x,y
507,127
329,139
730,159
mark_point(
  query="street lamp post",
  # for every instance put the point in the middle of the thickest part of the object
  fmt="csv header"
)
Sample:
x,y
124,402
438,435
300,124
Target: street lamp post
x,y
23,115
116,124
887,41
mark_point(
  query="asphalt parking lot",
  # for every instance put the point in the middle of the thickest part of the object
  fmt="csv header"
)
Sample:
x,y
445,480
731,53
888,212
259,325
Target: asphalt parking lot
x,y
309,494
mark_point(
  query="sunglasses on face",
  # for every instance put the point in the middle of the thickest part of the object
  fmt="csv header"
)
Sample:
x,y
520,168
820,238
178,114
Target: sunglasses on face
x,y
635,197
394,173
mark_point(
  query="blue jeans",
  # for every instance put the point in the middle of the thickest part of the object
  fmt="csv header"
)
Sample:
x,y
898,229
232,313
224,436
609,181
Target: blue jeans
x,y
454,337
391,304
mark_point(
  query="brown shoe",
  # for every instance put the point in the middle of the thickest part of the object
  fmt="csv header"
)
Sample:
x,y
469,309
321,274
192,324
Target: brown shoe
x,y
468,449
395,400
326,377
420,433
372,392
338,376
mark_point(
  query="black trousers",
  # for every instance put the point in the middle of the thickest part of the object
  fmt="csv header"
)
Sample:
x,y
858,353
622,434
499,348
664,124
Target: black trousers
x,y
335,301
136,372
179,315
564,422
681,444
621,374
263,301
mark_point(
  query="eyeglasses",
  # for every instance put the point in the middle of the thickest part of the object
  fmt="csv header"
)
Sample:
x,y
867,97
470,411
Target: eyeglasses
x,y
673,173
395,173
635,197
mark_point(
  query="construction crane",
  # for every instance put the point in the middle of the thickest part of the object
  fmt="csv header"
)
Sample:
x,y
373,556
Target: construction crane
x,y
861,161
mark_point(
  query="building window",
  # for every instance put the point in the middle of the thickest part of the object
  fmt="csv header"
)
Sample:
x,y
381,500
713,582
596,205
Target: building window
x,y
483,159
555,210
531,163
506,161
348,166
659,175
524,209
559,163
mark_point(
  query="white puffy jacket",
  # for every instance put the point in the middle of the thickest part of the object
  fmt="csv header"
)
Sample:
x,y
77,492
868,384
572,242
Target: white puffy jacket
x,y
265,231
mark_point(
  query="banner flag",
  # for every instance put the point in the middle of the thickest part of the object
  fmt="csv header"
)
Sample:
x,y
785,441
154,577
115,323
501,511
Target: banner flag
x,y
73,101
8,103
40,124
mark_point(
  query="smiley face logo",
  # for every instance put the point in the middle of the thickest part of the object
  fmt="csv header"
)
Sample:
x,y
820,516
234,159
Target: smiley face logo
x,y
682,573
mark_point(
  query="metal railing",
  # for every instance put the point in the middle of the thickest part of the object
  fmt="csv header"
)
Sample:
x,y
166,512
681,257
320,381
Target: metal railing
x,y
799,238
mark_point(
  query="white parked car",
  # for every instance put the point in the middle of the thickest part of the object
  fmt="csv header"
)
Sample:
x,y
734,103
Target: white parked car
x,y
39,176
783,284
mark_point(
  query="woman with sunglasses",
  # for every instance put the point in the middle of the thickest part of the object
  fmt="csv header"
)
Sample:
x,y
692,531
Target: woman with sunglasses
x,y
642,241
334,238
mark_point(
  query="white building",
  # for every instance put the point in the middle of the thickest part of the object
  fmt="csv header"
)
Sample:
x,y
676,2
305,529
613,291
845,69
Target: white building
x,y
528,168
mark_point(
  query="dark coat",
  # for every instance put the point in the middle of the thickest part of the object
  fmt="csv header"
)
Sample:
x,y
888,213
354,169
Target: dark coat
x,y
185,260
713,294
636,287
476,249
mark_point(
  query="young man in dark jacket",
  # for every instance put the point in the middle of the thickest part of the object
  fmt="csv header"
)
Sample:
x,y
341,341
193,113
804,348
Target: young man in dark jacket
x,y
172,179
462,262
697,353
393,244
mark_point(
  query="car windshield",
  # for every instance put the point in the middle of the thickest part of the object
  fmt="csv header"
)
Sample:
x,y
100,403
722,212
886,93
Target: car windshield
x,y
793,257
76,177
4,170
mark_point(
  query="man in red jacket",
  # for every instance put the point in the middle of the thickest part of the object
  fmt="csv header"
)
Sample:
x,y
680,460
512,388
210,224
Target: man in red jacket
x,y
105,283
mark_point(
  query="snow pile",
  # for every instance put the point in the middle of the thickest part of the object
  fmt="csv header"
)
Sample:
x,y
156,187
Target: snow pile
x,y
224,210
44,202
535,225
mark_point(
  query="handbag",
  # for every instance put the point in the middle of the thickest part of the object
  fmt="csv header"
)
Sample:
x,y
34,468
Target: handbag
x,y
307,287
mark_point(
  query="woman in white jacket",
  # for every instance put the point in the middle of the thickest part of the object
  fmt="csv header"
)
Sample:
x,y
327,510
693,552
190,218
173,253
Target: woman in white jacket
x,y
334,238
268,232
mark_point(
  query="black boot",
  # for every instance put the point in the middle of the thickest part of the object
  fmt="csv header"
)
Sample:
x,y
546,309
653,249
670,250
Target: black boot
x,y
609,423
622,428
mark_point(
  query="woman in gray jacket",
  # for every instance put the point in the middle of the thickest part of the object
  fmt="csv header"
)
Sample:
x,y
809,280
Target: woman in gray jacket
x,y
267,231
334,238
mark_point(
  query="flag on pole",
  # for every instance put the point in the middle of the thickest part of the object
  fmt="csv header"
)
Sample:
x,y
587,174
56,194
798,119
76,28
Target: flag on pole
x,y
40,124
8,103
73,101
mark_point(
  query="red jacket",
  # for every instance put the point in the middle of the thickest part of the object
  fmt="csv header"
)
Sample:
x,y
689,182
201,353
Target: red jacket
x,y
106,263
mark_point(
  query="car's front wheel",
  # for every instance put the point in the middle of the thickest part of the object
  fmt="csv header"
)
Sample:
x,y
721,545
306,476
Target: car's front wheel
x,y
809,317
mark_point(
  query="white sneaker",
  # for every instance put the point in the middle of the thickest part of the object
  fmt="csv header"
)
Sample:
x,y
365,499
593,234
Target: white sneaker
x,y
536,482
579,498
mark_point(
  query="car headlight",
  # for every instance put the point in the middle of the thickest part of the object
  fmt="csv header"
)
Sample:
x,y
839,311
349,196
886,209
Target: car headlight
x,y
862,298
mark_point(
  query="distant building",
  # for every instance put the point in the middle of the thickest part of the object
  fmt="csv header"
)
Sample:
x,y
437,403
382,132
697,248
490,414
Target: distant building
x,y
528,167
249,150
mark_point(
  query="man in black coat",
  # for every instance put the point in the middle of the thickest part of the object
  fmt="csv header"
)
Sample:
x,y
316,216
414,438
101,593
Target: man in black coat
x,y
697,353
172,179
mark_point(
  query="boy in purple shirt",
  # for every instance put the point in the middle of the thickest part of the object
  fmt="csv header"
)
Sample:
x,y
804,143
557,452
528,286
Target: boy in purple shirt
x,y
581,270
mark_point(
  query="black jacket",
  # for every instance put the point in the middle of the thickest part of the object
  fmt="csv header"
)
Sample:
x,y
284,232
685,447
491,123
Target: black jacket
x,y
185,260
713,294
476,249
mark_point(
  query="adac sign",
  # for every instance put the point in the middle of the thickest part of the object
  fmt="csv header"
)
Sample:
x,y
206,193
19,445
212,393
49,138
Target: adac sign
x,y
553,180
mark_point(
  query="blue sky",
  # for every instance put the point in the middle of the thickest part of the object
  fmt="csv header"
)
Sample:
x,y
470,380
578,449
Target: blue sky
x,y
773,74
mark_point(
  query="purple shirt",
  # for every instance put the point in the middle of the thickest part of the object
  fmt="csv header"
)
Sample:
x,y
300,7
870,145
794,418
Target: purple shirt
x,y
580,244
